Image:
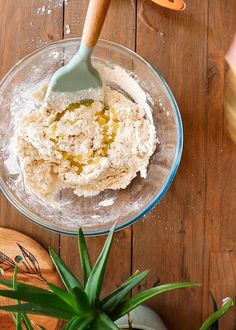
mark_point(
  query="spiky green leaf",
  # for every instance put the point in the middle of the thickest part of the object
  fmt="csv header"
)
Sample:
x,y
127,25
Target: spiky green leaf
x,y
47,299
7,283
14,282
81,300
68,279
13,317
63,295
112,300
18,316
94,283
214,304
79,323
226,306
131,303
214,326
34,291
84,257
103,322
78,299
37,310
18,324
27,322
23,286
59,293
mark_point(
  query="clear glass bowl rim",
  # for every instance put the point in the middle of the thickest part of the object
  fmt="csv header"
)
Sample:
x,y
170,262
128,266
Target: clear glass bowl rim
x,y
178,154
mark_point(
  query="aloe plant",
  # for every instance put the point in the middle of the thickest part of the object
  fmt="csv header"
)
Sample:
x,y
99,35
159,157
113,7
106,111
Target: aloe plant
x,y
212,322
80,305
20,318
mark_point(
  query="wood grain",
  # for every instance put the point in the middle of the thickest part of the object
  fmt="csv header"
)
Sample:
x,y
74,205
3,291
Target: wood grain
x,y
222,27
170,240
23,30
191,234
35,268
220,231
222,283
122,32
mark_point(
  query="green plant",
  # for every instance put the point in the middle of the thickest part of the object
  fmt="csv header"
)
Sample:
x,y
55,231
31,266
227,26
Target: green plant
x,y
20,318
80,305
212,323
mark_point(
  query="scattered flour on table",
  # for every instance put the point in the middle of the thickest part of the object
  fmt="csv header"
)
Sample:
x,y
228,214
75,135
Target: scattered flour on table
x,y
67,29
50,5
107,202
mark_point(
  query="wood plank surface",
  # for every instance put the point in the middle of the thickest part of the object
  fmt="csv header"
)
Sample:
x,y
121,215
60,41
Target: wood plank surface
x,y
173,233
122,32
222,26
220,231
22,30
222,283
191,234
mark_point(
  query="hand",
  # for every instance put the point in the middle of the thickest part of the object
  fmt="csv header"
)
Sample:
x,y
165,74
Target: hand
x,y
231,55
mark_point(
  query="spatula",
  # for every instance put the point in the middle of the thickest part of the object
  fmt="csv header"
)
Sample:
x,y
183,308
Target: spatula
x,y
79,80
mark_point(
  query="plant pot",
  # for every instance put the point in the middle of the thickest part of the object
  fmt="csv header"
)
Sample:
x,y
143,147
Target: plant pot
x,y
143,318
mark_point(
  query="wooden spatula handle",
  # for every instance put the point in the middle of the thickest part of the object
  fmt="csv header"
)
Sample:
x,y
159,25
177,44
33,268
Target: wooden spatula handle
x,y
94,20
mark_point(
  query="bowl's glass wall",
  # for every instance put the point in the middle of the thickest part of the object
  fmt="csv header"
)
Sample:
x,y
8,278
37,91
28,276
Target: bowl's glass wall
x,y
94,214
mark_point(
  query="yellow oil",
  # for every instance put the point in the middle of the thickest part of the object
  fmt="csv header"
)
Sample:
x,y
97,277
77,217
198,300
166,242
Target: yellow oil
x,y
114,114
87,102
72,107
115,128
102,117
74,160
60,114
103,120
54,131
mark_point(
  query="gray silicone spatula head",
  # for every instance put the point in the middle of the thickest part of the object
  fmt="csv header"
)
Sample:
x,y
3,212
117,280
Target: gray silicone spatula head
x,y
79,80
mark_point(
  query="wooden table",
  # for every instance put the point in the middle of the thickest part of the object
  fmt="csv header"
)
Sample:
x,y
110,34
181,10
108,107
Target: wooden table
x,y
191,234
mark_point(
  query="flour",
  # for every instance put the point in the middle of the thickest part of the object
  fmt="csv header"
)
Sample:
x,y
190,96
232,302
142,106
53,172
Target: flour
x,y
90,146
107,202
67,29
124,80
51,4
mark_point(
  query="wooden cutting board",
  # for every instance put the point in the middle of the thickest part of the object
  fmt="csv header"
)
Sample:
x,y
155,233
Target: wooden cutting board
x,y
35,268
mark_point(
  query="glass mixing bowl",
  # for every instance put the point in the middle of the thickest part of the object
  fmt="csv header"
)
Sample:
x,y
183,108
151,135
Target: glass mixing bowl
x,y
95,214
